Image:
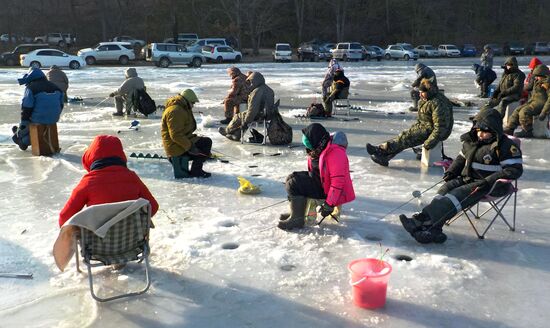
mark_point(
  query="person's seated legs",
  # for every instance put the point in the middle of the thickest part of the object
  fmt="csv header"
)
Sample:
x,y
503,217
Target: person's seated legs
x,y
21,135
327,105
180,165
199,153
415,96
228,110
300,186
233,129
119,104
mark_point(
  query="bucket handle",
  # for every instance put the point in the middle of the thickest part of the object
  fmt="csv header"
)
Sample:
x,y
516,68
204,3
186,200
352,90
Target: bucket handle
x,y
357,282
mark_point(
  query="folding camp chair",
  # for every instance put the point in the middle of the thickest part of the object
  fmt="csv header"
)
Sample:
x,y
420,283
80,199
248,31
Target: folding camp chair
x,y
125,241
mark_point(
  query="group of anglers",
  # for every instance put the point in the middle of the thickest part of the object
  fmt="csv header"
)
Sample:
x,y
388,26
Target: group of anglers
x,y
487,154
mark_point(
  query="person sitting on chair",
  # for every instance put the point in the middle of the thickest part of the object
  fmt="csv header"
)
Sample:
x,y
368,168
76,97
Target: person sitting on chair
x,y
487,155
238,94
108,179
333,65
261,102
338,90
509,88
434,124
327,177
123,95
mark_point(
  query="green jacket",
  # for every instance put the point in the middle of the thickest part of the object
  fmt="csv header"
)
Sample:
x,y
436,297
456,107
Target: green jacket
x,y
511,82
538,96
435,114
177,126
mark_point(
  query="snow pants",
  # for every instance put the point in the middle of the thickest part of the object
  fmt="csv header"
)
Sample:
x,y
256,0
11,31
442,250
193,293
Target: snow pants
x,y
412,137
523,115
502,103
303,183
121,101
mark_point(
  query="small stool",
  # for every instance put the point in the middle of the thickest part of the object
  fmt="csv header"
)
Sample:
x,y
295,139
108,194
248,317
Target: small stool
x,y
509,110
429,157
342,104
44,140
540,128
311,210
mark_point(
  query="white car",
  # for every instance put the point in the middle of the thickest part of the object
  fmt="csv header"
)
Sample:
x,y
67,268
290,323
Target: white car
x,y
449,50
48,57
135,42
427,50
348,51
122,52
282,52
219,54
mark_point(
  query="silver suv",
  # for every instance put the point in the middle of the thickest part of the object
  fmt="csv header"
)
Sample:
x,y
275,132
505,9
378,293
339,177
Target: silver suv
x,y
348,51
401,51
166,54
122,52
57,39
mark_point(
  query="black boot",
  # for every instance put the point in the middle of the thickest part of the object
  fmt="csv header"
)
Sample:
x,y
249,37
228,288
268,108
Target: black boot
x,y
284,216
222,131
373,150
226,120
297,214
415,223
196,170
428,236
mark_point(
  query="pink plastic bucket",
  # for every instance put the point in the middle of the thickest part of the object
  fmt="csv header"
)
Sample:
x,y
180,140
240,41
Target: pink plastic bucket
x,y
369,282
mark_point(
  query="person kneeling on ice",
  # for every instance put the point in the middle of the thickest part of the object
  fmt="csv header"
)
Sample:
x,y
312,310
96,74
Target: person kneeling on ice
x,y
327,176
42,104
434,124
180,143
487,155
108,179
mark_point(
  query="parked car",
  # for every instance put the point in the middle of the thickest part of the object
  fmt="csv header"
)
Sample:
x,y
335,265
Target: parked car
x,y
6,38
513,48
448,50
57,39
122,52
282,52
166,54
497,49
369,53
196,46
314,51
135,42
468,50
427,50
12,58
348,51
183,38
48,57
537,48
398,51
219,54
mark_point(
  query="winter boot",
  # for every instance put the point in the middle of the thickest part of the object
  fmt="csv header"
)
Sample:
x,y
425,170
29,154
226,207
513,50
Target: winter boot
x,y
373,150
181,166
197,171
284,216
414,224
524,134
226,120
118,114
297,214
509,131
222,131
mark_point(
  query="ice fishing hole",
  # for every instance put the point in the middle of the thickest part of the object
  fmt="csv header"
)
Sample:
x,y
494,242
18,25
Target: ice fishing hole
x,y
230,246
373,238
288,267
228,224
402,257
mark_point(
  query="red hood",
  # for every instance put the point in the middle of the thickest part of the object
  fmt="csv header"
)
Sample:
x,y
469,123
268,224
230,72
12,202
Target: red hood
x,y
534,63
102,147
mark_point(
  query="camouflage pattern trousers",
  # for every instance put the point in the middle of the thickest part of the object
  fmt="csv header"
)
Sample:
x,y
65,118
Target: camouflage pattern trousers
x,y
414,136
523,115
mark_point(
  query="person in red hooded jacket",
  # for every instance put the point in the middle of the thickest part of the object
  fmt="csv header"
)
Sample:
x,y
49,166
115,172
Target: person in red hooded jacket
x,y
529,80
108,179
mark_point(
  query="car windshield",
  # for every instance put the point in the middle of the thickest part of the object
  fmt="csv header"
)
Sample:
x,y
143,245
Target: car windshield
x,y
452,48
283,47
407,47
429,48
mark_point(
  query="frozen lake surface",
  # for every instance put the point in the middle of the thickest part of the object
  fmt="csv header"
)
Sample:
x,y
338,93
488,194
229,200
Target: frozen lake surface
x,y
273,278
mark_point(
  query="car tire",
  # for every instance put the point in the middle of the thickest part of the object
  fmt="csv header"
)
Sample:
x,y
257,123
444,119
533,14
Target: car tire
x,y
35,64
10,62
61,44
74,65
197,62
407,57
387,56
38,41
90,60
123,60
219,59
164,62
238,58
415,59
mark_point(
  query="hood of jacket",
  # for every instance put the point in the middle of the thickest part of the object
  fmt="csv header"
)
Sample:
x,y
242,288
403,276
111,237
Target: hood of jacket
x,y
103,146
177,100
513,62
256,79
32,75
534,63
234,72
489,117
130,72
315,133
419,67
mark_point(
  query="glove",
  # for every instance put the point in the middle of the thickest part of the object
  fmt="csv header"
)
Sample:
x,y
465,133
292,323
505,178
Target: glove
x,y
326,209
449,175
112,94
542,117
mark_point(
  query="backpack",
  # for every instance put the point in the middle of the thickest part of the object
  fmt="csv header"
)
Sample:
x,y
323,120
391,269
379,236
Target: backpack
x,y
315,110
278,131
144,103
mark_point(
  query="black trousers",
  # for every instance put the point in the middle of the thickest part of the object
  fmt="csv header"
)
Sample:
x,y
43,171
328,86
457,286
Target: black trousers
x,y
305,184
204,146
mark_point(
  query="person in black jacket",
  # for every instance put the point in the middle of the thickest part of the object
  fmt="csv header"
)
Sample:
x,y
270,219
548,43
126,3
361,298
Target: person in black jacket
x,y
509,88
487,155
338,90
484,77
422,72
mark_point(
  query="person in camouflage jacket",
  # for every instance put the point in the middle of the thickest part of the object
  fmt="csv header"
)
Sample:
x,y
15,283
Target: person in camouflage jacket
x,y
422,72
434,124
524,114
237,95
510,87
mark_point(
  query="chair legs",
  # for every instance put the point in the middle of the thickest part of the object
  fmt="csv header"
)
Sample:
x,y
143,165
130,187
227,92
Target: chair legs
x,y
265,133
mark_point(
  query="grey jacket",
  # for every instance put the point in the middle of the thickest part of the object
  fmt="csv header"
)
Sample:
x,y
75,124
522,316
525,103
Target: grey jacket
x,y
132,83
58,77
260,99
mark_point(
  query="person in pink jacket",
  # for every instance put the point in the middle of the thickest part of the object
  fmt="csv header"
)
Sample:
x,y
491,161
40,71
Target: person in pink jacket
x,y
327,176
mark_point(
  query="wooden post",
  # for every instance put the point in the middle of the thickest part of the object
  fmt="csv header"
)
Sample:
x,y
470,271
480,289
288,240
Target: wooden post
x,y
44,140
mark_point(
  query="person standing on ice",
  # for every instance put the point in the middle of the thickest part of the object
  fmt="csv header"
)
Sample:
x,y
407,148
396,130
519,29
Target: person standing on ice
x,y
484,77
108,179
487,57
422,72
433,124
42,104
487,155
327,176
59,78
125,93
339,89
333,65
180,143
238,94
509,88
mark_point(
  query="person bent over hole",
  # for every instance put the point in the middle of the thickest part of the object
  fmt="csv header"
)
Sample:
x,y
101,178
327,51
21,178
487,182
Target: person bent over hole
x,y
487,155
327,176
180,143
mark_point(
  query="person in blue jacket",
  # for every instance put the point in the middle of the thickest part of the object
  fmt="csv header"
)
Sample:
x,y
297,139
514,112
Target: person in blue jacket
x,y
42,104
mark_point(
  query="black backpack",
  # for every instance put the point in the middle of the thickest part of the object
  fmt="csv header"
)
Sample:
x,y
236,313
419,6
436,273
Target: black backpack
x,y
144,103
315,110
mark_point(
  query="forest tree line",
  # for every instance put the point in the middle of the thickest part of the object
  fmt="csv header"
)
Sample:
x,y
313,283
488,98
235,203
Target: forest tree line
x,y
261,23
